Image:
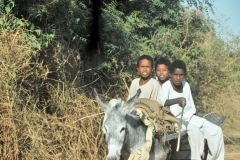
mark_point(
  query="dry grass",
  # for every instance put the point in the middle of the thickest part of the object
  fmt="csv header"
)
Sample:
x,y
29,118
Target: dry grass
x,y
28,132
31,134
232,151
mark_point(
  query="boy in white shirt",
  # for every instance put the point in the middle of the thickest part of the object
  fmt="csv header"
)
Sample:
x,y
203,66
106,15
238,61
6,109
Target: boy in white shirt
x,y
176,93
149,87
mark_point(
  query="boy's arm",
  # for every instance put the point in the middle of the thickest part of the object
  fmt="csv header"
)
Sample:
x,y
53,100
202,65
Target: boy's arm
x,y
164,94
180,101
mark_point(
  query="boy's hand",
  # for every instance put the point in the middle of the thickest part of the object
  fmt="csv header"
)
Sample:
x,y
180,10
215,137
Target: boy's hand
x,y
182,101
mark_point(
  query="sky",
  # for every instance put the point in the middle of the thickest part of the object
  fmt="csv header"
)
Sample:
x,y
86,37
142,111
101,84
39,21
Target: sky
x,y
227,12
227,17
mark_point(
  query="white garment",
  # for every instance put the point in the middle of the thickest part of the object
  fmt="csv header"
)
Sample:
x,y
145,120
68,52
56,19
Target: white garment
x,y
197,128
149,90
167,92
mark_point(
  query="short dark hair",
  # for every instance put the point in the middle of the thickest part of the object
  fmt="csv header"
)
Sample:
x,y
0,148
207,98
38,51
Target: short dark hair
x,y
178,64
145,57
164,61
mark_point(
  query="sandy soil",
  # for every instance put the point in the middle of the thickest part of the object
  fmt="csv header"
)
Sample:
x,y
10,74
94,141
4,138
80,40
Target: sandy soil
x,y
232,151
232,145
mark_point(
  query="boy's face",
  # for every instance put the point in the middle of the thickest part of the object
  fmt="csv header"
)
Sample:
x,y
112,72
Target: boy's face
x,y
177,76
162,72
145,68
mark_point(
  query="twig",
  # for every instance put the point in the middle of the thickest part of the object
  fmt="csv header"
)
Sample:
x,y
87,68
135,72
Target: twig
x,y
90,83
75,77
230,139
208,114
125,83
88,117
186,35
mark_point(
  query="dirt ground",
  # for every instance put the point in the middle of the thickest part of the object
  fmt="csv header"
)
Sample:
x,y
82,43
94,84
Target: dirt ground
x,y
232,151
232,145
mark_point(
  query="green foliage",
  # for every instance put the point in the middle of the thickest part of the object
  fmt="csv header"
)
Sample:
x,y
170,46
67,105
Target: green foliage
x,y
9,23
66,19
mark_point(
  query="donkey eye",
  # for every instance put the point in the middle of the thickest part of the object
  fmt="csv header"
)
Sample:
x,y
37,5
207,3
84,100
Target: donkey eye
x,y
122,129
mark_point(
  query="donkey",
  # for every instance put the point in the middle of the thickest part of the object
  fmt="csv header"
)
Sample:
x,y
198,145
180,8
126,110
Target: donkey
x,y
125,132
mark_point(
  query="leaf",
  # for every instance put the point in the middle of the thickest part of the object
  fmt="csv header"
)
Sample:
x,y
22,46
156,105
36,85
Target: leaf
x,y
32,27
19,22
38,31
7,9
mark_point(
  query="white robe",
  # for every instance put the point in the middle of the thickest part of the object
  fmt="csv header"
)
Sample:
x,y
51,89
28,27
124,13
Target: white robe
x,y
197,128
149,90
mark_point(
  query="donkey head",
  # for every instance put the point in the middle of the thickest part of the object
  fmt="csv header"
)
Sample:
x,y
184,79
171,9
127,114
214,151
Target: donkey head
x,y
115,125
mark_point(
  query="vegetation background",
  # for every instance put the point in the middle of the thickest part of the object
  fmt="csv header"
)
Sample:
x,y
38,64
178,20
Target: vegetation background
x,y
53,52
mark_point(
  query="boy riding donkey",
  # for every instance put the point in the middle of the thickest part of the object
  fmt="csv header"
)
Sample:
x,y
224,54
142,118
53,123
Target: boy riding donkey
x,y
176,93
149,102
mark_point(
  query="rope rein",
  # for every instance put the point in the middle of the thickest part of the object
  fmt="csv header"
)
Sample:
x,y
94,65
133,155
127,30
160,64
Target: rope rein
x,y
179,131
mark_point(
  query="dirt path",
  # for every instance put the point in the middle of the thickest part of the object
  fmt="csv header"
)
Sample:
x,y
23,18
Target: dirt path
x,y
232,151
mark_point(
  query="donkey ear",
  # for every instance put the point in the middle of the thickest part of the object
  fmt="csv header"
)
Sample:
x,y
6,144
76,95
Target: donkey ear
x,y
101,101
129,105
